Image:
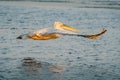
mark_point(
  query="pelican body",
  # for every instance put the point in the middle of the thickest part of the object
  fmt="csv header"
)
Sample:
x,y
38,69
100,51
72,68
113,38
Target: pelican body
x,y
56,31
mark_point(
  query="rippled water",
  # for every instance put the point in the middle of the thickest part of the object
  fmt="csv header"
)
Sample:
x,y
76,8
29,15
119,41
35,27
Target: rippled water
x,y
80,58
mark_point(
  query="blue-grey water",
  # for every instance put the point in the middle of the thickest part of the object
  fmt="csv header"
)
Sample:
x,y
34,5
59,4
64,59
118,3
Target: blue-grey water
x,y
78,58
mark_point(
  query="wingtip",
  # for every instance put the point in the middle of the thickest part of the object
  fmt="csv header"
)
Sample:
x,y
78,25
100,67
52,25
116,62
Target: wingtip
x,y
19,37
103,30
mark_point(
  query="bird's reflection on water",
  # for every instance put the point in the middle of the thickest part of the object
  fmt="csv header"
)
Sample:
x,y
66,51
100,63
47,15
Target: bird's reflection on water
x,y
32,65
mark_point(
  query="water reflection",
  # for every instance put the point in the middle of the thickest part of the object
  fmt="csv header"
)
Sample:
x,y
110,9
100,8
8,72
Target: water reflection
x,y
57,68
32,65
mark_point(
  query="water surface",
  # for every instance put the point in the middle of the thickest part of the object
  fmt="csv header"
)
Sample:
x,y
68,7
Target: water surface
x,y
80,58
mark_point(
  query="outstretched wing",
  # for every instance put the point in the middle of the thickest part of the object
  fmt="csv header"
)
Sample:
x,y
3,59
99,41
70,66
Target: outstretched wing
x,y
95,36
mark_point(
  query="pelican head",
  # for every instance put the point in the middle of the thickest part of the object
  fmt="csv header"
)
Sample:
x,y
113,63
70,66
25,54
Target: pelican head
x,y
61,26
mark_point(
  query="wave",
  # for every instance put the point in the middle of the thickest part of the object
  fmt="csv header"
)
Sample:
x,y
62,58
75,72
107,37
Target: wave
x,y
111,4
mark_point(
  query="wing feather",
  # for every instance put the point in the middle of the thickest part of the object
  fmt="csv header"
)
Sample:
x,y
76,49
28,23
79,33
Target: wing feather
x,y
95,36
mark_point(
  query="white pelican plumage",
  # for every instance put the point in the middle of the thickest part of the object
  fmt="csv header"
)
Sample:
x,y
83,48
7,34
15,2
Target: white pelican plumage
x,y
56,31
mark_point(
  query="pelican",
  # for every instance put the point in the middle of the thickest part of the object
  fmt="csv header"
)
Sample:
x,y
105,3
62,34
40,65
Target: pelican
x,y
56,31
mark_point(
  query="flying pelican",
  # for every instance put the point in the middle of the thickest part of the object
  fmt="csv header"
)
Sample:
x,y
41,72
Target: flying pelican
x,y
56,31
